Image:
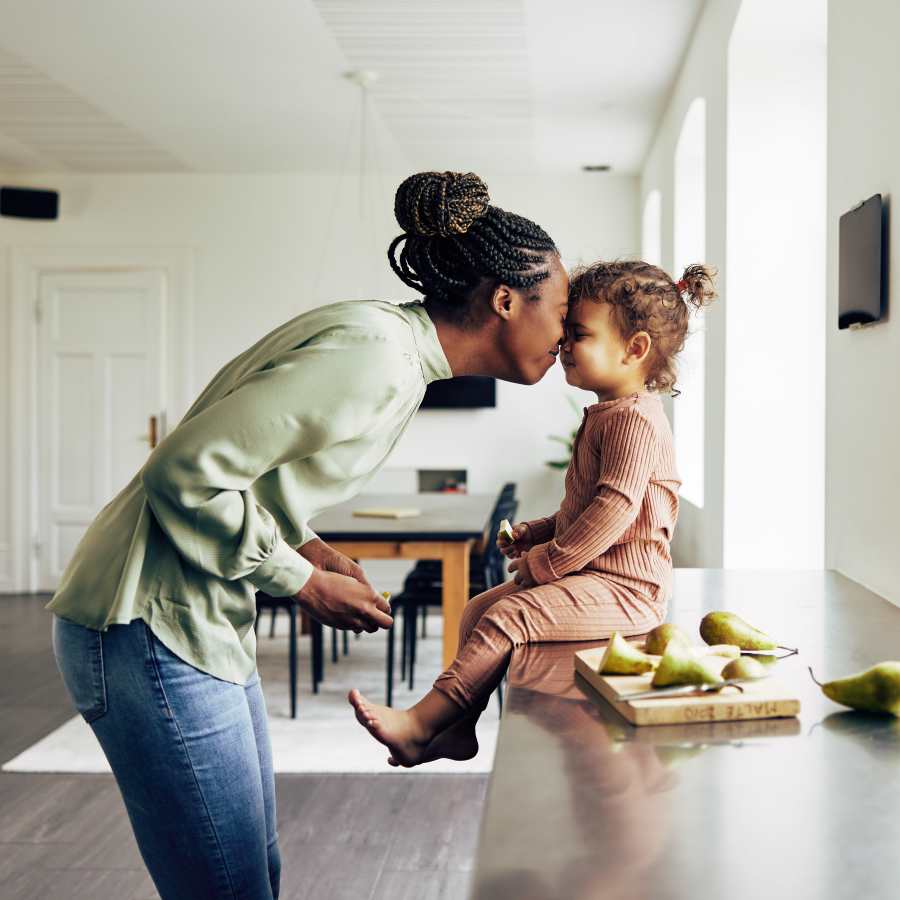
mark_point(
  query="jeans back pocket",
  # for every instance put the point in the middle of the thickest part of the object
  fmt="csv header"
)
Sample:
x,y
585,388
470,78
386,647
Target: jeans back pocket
x,y
79,657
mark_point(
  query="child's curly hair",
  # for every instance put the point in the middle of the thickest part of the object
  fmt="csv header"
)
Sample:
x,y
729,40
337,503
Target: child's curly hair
x,y
645,298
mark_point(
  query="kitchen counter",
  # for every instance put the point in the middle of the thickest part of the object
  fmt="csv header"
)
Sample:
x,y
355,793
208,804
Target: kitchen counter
x,y
583,805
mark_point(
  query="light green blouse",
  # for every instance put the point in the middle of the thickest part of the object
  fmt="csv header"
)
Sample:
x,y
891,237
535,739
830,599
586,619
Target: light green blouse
x,y
297,423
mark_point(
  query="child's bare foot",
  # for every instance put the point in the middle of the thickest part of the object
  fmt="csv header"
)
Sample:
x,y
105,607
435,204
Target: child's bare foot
x,y
397,729
456,742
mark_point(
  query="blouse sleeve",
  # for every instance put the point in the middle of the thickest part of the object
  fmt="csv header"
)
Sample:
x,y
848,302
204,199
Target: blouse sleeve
x,y
197,480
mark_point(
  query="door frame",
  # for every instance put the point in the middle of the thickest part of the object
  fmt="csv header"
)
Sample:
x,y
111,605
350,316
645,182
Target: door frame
x,y
27,265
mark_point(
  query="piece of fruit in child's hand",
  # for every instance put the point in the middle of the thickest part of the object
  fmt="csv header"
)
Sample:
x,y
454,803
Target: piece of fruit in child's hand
x,y
506,531
386,595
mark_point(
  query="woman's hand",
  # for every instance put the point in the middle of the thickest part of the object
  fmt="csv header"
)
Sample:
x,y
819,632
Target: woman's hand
x,y
523,576
330,560
342,601
520,544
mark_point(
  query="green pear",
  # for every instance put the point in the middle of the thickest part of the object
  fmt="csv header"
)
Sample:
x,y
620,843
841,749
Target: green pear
x,y
744,667
506,531
621,658
766,659
876,690
679,665
658,639
732,651
727,628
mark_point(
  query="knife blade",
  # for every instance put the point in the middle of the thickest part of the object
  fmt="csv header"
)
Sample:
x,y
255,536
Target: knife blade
x,y
687,690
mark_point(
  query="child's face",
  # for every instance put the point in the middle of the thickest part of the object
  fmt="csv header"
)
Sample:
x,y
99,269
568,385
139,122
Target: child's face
x,y
596,357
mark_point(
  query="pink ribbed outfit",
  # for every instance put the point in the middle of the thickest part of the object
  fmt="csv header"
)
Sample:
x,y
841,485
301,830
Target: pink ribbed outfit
x,y
601,563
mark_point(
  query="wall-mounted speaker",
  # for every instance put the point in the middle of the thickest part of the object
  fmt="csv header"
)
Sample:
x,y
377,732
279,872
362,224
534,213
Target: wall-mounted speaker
x,y
28,203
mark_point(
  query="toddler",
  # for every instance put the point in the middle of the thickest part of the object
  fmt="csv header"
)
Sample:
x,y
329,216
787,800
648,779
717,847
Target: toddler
x,y
601,563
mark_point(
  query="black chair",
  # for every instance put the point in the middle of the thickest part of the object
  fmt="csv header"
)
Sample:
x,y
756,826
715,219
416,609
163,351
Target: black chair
x,y
264,602
424,585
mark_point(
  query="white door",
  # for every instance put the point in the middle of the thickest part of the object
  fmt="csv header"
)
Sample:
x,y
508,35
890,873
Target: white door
x,y
100,392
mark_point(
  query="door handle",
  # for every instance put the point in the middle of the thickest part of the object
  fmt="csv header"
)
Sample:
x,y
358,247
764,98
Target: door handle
x,y
152,435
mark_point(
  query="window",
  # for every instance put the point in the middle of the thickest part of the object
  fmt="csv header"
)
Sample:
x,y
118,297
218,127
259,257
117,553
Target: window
x,y
688,409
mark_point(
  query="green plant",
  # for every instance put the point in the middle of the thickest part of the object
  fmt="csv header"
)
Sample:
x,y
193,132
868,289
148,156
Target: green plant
x,y
569,442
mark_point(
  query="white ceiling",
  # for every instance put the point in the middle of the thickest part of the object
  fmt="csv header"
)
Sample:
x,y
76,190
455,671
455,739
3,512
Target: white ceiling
x,y
513,86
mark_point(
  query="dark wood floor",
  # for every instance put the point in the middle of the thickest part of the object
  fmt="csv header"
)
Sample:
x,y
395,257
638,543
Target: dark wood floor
x,y
342,836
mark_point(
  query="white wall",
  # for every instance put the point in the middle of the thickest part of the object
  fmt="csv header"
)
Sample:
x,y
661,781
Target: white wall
x,y
267,248
775,354
698,537
6,387
863,367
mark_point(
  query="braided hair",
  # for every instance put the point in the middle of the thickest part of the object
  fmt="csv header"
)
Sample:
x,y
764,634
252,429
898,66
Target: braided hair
x,y
453,238
645,298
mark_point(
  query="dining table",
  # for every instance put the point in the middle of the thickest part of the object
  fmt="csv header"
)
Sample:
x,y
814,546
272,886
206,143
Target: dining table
x,y
445,527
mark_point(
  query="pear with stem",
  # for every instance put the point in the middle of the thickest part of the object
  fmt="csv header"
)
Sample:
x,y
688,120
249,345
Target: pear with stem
x,y
876,690
721,627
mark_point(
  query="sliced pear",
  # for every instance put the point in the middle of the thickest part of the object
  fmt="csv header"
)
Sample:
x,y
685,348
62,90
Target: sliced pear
x,y
679,665
621,658
658,639
732,651
745,667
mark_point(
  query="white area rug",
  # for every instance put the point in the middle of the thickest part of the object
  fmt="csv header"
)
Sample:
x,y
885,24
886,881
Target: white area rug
x,y
325,736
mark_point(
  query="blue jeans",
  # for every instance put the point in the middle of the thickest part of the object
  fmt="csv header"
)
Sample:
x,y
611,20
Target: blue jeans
x,y
191,756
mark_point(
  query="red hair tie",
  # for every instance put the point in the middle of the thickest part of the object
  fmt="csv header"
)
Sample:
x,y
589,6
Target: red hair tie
x,y
681,287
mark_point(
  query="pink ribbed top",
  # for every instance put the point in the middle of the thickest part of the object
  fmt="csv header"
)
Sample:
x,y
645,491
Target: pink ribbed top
x,y
621,503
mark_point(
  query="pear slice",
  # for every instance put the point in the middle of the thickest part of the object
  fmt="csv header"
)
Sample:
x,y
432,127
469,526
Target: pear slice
x,y
506,531
876,690
658,639
745,667
732,651
621,658
679,665
721,627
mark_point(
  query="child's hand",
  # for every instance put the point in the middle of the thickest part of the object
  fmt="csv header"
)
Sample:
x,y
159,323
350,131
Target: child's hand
x,y
519,545
522,572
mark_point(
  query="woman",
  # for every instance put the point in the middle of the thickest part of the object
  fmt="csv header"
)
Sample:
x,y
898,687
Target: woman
x,y
153,627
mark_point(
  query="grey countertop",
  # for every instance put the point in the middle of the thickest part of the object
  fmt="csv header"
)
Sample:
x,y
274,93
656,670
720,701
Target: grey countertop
x,y
583,805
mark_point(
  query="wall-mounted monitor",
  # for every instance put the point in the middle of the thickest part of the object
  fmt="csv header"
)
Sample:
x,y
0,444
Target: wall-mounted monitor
x,y
862,290
465,392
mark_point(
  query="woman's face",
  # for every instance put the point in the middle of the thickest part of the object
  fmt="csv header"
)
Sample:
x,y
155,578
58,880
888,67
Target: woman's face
x,y
535,326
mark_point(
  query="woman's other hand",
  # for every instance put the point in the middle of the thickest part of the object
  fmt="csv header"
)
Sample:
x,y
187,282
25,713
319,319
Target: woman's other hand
x,y
519,545
342,601
322,556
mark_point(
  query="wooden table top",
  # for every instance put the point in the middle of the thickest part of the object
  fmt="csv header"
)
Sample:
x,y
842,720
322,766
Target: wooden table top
x,y
444,517
583,805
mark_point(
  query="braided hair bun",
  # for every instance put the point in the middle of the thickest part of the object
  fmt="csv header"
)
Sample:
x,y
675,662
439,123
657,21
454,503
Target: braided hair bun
x,y
453,238
440,203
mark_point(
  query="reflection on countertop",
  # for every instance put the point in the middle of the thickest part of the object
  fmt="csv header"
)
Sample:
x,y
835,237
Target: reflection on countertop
x,y
584,805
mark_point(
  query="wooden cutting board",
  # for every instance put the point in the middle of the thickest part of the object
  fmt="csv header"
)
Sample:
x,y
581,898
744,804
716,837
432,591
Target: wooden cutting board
x,y
767,698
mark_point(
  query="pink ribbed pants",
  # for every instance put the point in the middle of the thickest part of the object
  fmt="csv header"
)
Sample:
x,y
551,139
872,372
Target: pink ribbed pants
x,y
580,607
